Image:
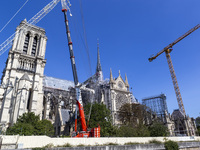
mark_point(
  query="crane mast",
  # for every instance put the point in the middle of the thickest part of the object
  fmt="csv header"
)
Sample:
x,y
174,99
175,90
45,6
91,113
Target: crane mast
x,y
174,80
77,85
167,51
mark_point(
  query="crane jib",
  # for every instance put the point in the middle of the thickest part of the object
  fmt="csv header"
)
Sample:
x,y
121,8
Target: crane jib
x,y
173,43
33,21
167,51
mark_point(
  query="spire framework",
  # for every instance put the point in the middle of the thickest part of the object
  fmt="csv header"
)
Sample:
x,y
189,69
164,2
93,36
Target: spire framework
x,y
99,72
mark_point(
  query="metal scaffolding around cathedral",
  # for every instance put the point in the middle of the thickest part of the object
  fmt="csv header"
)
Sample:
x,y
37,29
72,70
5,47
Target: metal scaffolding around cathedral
x,y
177,123
158,105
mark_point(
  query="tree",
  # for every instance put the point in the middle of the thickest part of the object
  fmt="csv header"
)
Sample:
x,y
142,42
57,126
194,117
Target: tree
x,y
30,124
132,114
158,129
171,145
100,115
197,121
198,130
130,131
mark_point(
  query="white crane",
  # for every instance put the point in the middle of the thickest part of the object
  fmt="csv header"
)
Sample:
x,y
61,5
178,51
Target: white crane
x,y
33,21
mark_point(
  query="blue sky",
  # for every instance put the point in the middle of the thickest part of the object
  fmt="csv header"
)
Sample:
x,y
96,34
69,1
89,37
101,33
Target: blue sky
x,y
129,32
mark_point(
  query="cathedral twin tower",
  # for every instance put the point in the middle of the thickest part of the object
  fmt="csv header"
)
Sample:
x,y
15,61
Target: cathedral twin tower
x,y
22,78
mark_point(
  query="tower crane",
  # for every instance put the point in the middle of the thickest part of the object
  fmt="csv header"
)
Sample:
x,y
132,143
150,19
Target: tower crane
x,y
167,51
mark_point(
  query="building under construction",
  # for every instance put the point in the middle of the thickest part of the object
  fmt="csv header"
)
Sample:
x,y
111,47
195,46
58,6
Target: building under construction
x,y
157,105
177,123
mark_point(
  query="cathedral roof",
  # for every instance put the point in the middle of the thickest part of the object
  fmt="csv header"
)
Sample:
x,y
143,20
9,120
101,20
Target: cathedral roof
x,y
56,83
177,114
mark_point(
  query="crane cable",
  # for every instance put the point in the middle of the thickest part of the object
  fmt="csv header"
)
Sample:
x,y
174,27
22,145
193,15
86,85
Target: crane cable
x,y
85,37
80,37
13,16
87,50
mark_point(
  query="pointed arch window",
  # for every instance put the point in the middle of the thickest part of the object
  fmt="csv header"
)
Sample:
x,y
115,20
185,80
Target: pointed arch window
x,y
33,52
26,42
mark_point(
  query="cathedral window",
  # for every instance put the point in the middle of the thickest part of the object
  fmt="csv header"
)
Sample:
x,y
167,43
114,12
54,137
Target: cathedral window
x,y
26,42
33,52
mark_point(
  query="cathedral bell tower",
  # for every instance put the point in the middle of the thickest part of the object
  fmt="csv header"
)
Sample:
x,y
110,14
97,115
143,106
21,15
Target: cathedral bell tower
x,y
22,77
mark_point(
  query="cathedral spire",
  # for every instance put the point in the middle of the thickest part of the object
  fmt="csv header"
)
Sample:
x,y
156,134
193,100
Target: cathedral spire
x,y
126,81
111,76
119,73
98,68
98,58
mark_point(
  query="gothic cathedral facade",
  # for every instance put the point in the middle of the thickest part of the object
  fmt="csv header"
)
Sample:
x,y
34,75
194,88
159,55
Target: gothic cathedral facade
x,y
24,88
22,78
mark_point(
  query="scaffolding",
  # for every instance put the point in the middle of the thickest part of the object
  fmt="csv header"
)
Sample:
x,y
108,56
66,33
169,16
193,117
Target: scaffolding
x,y
157,105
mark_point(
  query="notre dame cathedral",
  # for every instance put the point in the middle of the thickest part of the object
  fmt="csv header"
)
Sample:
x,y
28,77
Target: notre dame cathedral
x,y
24,88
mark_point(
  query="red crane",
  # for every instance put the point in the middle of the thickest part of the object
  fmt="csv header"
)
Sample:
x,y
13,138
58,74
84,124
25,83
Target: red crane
x,y
95,132
167,51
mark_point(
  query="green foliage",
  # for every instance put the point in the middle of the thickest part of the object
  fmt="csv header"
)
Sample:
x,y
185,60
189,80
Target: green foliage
x,y
30,124
171,145
129,131
155,141
132,117
131,143
100,115
142,131
126,131
67,145
38,148
198,121
132,114
111,144
20,128
158,129
50,145
198,130
80,145
44,127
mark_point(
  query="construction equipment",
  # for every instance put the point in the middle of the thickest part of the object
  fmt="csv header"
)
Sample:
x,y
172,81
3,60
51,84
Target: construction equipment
x,y
33,21
167,51
95,132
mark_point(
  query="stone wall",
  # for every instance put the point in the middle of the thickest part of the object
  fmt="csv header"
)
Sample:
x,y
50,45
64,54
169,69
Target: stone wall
x,y
41,141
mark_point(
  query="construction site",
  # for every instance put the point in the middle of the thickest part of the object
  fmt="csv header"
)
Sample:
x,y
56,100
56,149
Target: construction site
x,y
25,88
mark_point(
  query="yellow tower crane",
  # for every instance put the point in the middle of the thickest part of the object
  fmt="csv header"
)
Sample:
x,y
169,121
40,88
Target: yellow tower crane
x,y
167,51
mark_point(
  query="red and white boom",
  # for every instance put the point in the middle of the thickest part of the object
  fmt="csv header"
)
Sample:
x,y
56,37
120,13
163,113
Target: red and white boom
x,y
95,132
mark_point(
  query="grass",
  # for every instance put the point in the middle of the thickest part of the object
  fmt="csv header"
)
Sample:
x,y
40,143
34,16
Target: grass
x,y
132,143
65,145
111,144
80,145
155,141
